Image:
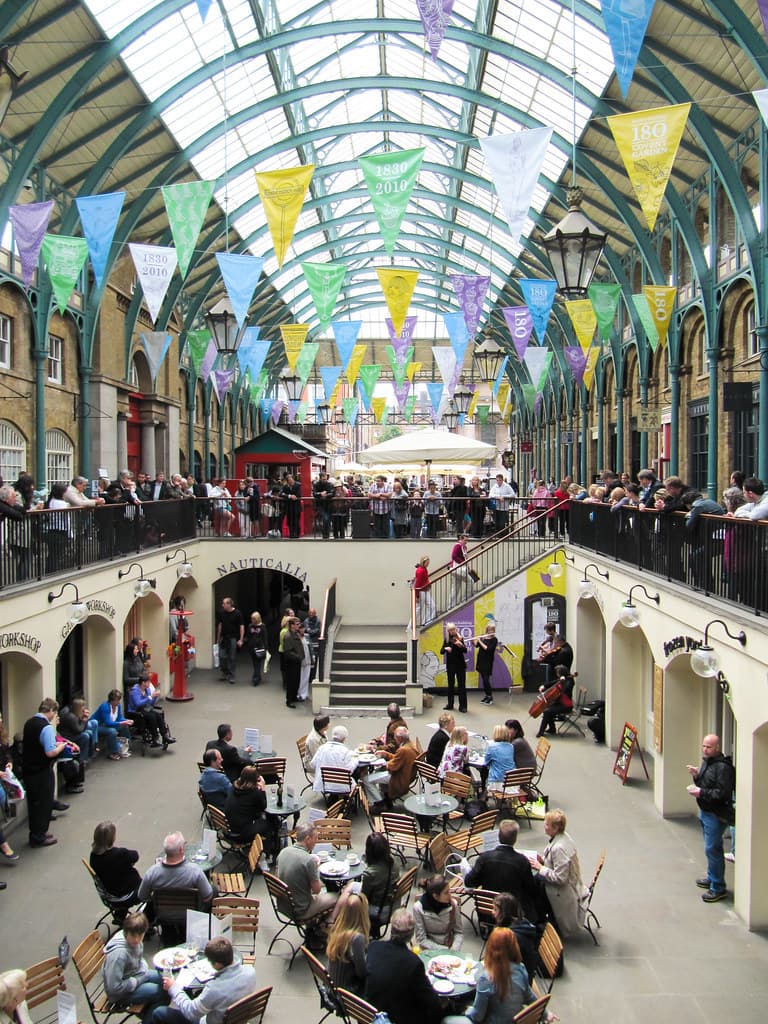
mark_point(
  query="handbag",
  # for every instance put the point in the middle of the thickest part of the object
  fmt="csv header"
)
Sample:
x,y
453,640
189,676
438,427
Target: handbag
x,y
473,575
11,785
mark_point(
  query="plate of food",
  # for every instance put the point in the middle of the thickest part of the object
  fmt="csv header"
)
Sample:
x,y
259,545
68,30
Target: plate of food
x,y
334,868
443,986
445,965
172,959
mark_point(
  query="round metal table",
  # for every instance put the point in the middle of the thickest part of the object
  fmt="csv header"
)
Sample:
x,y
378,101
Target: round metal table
x,y
334,881
427,813
462,985
291,806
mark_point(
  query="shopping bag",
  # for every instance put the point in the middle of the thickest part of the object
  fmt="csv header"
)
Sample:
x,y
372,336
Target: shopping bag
x,y
215,655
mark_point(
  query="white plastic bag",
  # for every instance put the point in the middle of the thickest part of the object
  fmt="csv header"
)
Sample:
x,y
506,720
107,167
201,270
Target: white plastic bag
x,y
215,655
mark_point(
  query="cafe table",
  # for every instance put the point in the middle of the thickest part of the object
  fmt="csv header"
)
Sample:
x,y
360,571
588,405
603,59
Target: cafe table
x,y
426,814
186,966
337,869
453,975
293,805
195,853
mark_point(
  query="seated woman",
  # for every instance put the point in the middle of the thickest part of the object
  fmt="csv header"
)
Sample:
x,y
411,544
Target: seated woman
x,y
456,754
114,866
77,726
525,756
379,879
562,705
500,756
507,913
503,988
13,994
348,942
558,872
246,804
142,706
112,723
437,916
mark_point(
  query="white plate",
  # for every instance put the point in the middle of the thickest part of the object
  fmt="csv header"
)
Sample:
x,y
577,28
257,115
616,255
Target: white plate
x,y
445,963
334,868
172,959
442,986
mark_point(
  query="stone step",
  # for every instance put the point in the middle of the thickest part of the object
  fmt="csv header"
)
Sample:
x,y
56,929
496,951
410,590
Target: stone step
x,y
351,710
362,676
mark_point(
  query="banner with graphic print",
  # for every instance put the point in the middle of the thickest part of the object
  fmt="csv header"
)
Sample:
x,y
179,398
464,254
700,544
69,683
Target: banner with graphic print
x,y
398,286
282,196
368,377
306,359
458,336
252,351
208,360
345,334
355,362
647,141
537,361
350,409
240,274
435,15
605,301
401,341
98,218
661,302
399,369
186,205
324,282
471,290
646,319
625,26
379,406
591,366
29,225
329,376
222,382
155,345
445,360
64,256
576,358
401,392
520,324
760,97
390,178
515,163
539,294
196,345
293,336
582,314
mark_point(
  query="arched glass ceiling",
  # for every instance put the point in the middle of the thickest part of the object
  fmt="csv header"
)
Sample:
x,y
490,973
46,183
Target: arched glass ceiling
x,y
330,70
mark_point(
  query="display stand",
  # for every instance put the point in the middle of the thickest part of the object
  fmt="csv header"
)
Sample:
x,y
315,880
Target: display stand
x,y
180,652
627,747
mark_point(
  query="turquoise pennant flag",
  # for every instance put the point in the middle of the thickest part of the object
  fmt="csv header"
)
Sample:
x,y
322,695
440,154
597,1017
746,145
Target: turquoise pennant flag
x,y
345,333
539,296
329,376
625,26
241,275
98,218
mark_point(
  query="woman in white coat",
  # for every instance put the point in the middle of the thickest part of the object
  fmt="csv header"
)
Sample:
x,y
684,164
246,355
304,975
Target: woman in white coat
x,y
559,872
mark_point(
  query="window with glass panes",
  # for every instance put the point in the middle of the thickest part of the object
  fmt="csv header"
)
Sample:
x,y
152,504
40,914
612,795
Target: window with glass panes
x,y
698,416
55,359
6,330
58,458
13,452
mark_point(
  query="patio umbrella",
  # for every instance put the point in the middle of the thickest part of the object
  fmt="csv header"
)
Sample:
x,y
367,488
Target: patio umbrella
x,y
428,446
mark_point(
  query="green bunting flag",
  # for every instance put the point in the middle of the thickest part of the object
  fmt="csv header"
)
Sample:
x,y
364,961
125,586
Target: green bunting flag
x,y
186,205
646,319
197,346
604,299
390,178
64,257
324,281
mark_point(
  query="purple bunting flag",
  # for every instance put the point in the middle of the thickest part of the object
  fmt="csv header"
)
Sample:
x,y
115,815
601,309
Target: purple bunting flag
x,y
277,411
208,360
29,227
401,342
520,324
435,15
577,362
470,290
222,382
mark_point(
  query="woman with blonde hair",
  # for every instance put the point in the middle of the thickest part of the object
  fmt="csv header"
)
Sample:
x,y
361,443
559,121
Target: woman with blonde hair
x,y
13,992
456,754
559,874
500,756
257,642
348,942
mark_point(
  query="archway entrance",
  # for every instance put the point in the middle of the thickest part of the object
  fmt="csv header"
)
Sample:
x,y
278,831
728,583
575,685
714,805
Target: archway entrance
x,y
267,591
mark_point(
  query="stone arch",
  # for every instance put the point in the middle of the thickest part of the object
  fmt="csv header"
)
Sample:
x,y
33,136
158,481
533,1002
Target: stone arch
x,y
21,676
589,641
265,589
147,618
631,687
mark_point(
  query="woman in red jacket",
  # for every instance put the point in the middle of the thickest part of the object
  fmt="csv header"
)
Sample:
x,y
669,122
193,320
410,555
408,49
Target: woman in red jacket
x,y
425,606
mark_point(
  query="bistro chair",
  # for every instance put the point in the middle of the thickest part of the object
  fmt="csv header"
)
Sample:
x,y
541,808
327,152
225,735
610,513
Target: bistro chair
x,y
245,918
234,883
590,915
44,980
88,959
249,1009
117,906
356,1008
326,990
301,746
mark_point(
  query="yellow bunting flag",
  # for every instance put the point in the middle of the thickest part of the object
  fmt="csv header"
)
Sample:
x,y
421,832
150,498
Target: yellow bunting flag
x,y
293,336
661,301
282,194
589,369
647,141
397,285
473,404
584,321
358,355
502,395
379,406
411,370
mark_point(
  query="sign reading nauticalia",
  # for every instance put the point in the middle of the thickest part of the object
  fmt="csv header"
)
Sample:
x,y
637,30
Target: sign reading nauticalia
x,y
263,563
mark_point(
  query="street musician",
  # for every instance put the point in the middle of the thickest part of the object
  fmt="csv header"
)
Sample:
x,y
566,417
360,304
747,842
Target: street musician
x,y
559,700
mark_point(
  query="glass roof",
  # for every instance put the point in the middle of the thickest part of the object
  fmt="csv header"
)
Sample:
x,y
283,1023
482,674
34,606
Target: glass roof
x,y
347,78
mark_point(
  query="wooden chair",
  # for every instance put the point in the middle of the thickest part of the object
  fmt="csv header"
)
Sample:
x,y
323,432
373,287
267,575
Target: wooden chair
x,y
550,955
301,746
425,771
400,896
440,851
245,917
516,790
227,839
482,912
271,769
248,1010
374,821
233,883
590,915
117,906
469,841
326,990
572,719
543,748
356,1008
88,959
334,811
337,831
336,781
533,1012
44,980
171,906
458,785
281,898
404,836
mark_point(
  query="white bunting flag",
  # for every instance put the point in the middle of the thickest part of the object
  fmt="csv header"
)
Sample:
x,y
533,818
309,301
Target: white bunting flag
x,y
155,265
515,162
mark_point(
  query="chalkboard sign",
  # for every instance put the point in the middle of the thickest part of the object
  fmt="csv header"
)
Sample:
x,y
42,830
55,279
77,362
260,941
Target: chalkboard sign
x,y
627,747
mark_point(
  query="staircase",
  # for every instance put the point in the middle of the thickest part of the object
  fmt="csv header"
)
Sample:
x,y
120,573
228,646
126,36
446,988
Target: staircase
x,y
368,670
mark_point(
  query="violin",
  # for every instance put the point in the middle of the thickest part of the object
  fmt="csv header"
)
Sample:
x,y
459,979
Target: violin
x,y
544,700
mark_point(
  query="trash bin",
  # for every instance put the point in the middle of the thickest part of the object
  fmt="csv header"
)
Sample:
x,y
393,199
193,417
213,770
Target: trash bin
x,y
361,523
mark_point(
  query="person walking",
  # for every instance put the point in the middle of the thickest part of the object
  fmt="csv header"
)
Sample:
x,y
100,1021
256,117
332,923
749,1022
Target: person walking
x,y
712,787
230,634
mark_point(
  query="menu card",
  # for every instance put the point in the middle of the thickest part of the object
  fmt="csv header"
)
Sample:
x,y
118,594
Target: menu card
x,y
251,738
490,840
66,1007
432,796
209,842
265,744
198,927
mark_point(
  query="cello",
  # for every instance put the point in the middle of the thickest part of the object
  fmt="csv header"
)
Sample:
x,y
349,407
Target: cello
x,y
543,701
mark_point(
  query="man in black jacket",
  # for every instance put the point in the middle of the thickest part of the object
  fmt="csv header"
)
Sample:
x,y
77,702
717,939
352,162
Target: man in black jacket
x,y
232,763
445,726
712,786
506,870
397,982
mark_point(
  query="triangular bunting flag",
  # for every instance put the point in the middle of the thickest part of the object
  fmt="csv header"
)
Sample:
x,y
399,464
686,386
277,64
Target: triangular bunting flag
x,y
277,411
625,26
390,178
605,300
293,336
293,408
576,358
456,326
282,195
761,97
401,391
435,15
197,344
186,205
98,217
646,319
353,368
324,281
208,360
647,141
252,351
345,334
222,382
156,345
499,376
537,361
368,376
379,406
29,225
435,392
520,324
470,290
398,286
64,257
329,376
591,366
401,341
350,409
411,370
482,412
661,302
265,405
240,274
529,394
539,296
203,6
584,321
410,405
515,163
399,370
154,265
445,359
306,360
502,395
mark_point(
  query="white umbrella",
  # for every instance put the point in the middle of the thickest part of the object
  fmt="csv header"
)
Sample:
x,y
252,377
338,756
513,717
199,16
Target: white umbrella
x,y
428,446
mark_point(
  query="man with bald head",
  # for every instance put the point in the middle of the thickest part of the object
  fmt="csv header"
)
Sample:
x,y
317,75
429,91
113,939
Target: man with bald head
x,y
712,787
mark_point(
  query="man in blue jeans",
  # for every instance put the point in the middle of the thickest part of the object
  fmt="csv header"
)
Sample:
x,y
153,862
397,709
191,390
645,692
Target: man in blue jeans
x,y
713,784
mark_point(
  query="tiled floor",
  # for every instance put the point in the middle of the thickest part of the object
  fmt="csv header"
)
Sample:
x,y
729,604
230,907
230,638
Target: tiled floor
x,y
663,956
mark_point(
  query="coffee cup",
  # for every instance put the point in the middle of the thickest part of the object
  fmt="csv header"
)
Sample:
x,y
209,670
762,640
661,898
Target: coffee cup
x,y
323,856
352,858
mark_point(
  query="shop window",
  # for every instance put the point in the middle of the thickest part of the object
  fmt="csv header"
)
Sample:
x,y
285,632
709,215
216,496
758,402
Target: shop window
x,y
59,452
6,333
699,446
55,359
13,452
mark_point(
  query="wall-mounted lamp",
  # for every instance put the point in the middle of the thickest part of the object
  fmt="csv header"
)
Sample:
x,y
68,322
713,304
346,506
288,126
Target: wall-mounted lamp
x,y
78,611
555,569
629,615
704,661
142,586
184,570
587,586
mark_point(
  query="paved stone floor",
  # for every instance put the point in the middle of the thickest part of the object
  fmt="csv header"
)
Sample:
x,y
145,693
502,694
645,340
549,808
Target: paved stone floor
x,y
664,956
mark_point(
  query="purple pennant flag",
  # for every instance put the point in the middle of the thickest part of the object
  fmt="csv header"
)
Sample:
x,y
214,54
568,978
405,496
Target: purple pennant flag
x,y
520,324
208,360
401,393
577,362
222,382
538,403
277,410
435,15
470,290
401,343
762,6
293,408
29,225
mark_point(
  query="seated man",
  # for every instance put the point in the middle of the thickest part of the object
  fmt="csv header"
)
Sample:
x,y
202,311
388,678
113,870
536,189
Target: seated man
x,y
445,726
128,981
213,783
506,870
174,871
233,763
400,771
142,706
333,755
298,868
395,722
231,982
397,981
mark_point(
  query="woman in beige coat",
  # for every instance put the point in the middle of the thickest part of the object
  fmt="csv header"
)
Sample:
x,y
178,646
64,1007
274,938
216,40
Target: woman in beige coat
x,y
559,872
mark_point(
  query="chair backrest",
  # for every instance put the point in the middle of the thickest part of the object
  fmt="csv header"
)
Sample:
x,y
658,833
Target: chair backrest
x,y
249,1009
243,910
44,980
355,1007
301,746
517,777
334,830
335,810
550,953
254,853
543,748
218,819
272,766
439,851
281,898
336,777
532,1013
201,766
593,883
171,904
322,979
403,888
88,958
483,822
581,698
402,830
426,771
483,901
457,784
